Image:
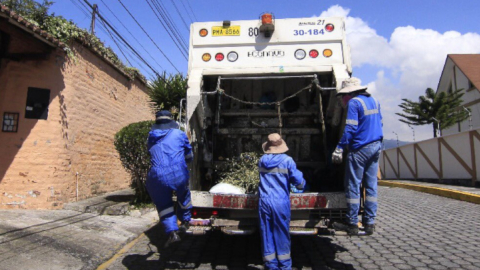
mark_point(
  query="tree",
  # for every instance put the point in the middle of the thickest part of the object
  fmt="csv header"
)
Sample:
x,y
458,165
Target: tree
x,y
441,106
167,92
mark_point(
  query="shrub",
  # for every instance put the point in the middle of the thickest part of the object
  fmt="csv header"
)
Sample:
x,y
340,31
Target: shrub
x,y
131,144
243,172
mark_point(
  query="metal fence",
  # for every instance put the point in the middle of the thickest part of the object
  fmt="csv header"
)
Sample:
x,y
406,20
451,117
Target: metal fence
x,y
455,157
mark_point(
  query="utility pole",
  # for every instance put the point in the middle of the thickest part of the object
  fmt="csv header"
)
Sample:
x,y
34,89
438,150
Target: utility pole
x,y
92,24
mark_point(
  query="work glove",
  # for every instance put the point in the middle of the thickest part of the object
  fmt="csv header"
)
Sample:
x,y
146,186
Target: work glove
x,y
337,156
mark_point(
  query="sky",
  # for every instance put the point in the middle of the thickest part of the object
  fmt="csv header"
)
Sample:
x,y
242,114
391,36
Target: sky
x,y
398,47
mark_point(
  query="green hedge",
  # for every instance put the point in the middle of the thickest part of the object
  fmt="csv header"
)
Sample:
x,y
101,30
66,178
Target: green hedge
x,y
131,144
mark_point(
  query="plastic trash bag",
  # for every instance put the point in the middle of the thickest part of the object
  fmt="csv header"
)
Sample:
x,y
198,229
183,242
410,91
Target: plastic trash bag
x,y
224,188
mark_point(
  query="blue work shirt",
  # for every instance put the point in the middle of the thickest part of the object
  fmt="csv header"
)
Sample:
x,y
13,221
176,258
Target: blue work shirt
x,y
363,124
169,147
277,171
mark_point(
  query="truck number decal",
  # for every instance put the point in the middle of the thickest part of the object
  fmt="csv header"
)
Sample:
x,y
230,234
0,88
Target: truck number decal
x,y
320,22
310,32
253,31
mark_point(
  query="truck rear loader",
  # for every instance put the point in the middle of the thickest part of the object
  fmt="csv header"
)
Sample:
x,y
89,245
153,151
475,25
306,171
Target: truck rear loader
x,y
247,79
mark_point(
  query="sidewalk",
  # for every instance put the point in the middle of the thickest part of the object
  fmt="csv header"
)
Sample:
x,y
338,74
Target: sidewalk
x,y
469,194
68,239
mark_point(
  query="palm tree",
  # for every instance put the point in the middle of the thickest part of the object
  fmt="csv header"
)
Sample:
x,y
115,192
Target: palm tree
x,y
434,108
167,91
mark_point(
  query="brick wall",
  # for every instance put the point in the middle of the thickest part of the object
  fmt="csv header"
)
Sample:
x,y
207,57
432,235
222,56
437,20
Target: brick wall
x,y
99,102
89,102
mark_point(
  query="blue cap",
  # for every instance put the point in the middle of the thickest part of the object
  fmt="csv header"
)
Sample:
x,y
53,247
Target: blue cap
x,y
164,121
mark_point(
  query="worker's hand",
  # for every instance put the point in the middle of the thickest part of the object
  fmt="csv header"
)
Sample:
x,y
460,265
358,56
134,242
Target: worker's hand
x,y
337,156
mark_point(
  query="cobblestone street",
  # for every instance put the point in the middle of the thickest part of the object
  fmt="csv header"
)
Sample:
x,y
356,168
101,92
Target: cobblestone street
x,y
414,231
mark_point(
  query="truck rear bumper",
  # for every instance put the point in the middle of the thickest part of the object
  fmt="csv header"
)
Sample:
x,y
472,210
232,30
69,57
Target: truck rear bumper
x,y
327,200
250,226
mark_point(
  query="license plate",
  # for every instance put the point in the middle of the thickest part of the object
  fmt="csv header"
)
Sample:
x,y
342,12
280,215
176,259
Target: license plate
x,y
220,31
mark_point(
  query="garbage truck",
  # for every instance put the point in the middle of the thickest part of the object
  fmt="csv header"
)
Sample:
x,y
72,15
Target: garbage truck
x,y
250,78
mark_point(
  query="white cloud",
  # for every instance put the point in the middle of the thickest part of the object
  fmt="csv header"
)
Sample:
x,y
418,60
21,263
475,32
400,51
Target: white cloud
x,y
413,56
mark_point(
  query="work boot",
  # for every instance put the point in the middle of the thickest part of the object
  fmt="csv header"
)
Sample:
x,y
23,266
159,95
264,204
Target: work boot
x,y
369,229
183,228
172,238
350,229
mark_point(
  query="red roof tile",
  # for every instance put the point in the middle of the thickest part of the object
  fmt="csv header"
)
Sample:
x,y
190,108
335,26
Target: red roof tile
x,y
469,64
22,21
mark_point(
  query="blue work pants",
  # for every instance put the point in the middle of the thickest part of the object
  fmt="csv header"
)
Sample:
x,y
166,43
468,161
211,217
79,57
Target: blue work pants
x,y
160,184
362,165
274,232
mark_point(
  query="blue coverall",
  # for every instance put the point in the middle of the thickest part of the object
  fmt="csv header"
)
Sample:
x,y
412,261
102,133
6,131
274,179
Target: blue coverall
x,y
363,137
277,171
169,150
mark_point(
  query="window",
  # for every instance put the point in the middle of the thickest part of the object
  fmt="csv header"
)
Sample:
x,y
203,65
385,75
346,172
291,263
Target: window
x,y
470,84
450,88
37,103
10,122
4,41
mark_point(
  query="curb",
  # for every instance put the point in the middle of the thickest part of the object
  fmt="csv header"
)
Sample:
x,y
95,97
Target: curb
x,y
449,193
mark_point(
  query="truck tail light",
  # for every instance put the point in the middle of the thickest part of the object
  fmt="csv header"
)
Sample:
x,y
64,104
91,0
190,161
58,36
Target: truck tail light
x,y
232,56
300,54
214,213
206,57
219,56
203,32
313,53
329,27
327,52
194,213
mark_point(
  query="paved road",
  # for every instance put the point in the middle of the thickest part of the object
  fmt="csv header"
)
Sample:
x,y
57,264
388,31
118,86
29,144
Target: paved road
x,y
414,231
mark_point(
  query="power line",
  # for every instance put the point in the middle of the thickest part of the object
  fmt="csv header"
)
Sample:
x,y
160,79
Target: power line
x,y
168,28
81,6
192,11
115,39
188,13
138,42
175,41
84,8
129,46
179,14
147,35
130,64
172,25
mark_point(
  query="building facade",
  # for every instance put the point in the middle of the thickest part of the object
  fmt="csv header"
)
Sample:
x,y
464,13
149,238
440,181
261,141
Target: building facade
x,y
462,71
59,118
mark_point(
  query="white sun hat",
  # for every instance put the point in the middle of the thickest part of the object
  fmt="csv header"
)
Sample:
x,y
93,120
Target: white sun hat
x,y
351,85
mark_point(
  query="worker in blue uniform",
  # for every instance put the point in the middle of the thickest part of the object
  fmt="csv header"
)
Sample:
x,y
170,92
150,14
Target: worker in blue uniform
x,y
363,138
277,172
170,150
